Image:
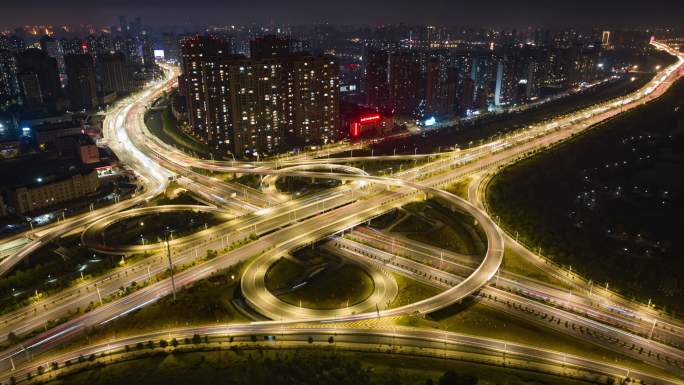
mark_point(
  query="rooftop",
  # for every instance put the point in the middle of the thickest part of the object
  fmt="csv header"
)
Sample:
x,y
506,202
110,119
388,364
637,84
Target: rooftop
x,y
32,172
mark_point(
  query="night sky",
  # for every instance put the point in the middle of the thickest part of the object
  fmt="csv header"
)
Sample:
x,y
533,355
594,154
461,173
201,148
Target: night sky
x,y
491,13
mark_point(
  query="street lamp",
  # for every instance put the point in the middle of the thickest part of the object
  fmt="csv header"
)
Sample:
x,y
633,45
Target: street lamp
x,y
168,255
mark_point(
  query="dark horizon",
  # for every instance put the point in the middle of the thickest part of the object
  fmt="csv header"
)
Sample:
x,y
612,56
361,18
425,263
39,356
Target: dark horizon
x,y
494,13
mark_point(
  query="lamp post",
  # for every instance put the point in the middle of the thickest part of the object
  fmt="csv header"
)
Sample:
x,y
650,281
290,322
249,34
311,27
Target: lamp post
x,y
168,255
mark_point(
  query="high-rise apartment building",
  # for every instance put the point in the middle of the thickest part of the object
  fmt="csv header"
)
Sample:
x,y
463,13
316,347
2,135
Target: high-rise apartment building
x,y
412,83
98,45
114,73
204,85
54,50
171,46
31,91
441,84
12,43
256,106
9,82
73,46
310,94
405,82
39,77
377,79
269,46
82,87
147,51
255,123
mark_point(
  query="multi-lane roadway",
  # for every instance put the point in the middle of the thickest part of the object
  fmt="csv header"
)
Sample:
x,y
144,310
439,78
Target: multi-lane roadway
x,y
350,205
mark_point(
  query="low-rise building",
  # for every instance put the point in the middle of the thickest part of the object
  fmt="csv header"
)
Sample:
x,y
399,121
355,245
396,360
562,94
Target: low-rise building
x,y
358,121
47,191
47,135
80,146
9,148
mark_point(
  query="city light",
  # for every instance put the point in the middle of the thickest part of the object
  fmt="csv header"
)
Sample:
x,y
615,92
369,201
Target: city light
x,y
367,119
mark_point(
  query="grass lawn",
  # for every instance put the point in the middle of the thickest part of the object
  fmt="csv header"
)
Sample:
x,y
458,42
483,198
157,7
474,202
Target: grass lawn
x,y
481,320
163,125
413,224
170,127
348,283
325,290
460,188
206,301
283,273
411,291
516,264
249,180
456,232
304,186
129,231
385,220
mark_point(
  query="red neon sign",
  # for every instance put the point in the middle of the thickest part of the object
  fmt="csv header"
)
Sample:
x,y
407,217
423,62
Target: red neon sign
x,y
355,130
367,119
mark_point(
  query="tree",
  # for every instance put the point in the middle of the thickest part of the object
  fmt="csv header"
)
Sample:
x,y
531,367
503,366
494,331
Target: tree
x,y
196,339
174,342
453,378
330,340
163,343
311,340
